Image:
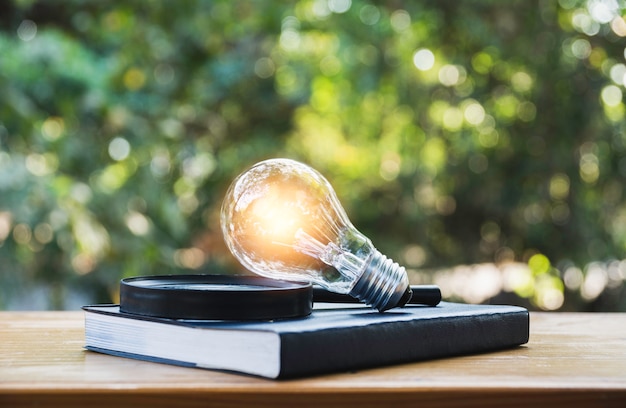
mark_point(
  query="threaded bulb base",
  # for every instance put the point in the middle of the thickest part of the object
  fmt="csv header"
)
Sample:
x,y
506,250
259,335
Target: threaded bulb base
x,y
383,284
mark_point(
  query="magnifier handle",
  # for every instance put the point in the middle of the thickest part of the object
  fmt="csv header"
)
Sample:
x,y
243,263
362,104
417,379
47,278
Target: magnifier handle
x,y
429,295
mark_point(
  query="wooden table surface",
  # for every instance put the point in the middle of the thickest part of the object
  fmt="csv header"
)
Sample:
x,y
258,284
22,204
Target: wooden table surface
x,y
571,360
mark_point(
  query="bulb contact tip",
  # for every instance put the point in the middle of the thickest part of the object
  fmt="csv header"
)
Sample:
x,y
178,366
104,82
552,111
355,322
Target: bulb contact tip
x,y
406,297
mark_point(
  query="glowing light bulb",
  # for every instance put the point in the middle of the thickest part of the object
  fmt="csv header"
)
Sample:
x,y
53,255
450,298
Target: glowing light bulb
x,y
281,219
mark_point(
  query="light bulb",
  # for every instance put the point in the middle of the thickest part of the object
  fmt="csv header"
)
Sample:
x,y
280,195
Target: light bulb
x,y
282,219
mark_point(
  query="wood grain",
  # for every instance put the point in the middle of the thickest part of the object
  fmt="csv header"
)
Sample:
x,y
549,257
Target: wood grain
x,y
572,360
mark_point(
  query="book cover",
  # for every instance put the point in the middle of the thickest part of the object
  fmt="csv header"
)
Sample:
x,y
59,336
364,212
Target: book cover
x,y
329,340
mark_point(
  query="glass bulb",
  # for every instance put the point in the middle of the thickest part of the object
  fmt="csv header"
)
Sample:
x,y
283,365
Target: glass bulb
x,y
281,219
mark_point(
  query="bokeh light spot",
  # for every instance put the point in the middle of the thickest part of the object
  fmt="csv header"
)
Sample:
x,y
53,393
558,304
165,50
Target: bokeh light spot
x,y
27,30
450,75
52,128
22,234
559,186
474,113
339,6
6,219
618,25
264,67
611,95
119,149
526,111
164,74
603,11
191,258
134,79
453,119
369,14
400,20
482,62
589,169
43,233
596,279
581,48
83,263
618,74
488,138
424,59
539,264
521,81
41,164
137,223
583,22
414,256
390,167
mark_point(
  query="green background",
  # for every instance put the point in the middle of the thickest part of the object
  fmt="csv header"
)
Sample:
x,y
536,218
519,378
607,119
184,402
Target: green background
x,y
481,144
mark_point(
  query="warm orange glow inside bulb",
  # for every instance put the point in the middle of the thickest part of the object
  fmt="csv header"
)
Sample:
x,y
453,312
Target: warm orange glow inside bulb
x,y
270,220
276,219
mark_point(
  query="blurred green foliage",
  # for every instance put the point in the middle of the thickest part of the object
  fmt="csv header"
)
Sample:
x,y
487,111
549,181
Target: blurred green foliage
x,y
455,133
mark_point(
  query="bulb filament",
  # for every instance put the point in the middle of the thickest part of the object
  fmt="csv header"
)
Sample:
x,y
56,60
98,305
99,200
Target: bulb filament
x,y
348,264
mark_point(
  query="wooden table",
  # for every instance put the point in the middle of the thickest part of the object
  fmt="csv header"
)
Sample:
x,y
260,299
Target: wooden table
x,y
571,360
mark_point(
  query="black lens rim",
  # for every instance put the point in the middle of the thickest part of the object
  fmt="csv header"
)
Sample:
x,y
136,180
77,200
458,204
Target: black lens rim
x,y
230,297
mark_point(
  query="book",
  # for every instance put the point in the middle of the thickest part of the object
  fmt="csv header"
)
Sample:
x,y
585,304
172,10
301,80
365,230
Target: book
x,y
329,340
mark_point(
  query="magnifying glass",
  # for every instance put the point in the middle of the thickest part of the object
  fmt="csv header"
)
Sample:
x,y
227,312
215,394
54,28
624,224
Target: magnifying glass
x,y
234,297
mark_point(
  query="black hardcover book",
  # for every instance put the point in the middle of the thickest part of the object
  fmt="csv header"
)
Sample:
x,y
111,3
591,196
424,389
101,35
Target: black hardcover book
x,y
329,340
